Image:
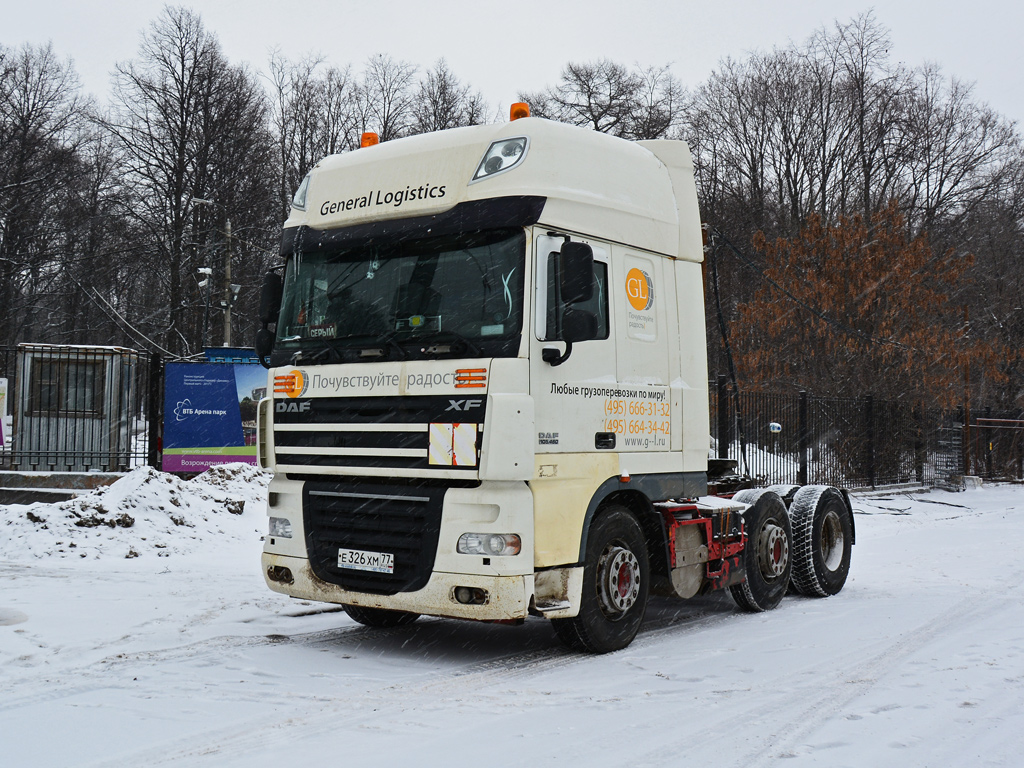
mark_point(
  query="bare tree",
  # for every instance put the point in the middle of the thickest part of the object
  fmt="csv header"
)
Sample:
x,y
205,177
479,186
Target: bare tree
x,y
189,126
442,102
342,114
877,94
736,109
42,115
601,95
388,96
296,118
959,151
658,104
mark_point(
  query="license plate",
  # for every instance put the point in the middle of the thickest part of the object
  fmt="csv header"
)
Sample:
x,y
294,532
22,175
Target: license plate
x,y
357,560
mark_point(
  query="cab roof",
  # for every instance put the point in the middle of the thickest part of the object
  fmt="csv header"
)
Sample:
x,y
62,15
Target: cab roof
x,y
640,194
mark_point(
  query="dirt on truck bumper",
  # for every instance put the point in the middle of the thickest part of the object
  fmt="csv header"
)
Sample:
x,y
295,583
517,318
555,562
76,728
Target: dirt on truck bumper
x,y
507,596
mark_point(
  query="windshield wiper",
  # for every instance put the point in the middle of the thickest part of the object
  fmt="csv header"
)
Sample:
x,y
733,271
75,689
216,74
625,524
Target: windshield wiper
x,y
366,345
455,340
319,352
382,345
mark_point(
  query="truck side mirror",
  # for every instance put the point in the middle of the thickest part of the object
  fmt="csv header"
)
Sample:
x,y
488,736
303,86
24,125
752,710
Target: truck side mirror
x,y
577,325
270,298
270,308
264,346
575,272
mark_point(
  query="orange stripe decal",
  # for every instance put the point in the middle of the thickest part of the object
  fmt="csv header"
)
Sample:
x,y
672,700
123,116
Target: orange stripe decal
x,y
470,378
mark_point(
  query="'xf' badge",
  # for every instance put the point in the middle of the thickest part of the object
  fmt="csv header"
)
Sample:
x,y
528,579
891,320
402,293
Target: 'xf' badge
x,y
463,405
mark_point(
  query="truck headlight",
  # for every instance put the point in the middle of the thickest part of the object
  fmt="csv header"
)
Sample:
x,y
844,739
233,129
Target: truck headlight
x,y
489,544
281,527
501,156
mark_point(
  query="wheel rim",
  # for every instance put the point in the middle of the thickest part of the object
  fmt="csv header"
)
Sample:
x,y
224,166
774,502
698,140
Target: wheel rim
x,y
618,576
772,551
832,541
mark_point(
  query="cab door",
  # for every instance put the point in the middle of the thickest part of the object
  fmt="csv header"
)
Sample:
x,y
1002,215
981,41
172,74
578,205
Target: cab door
x,y
570,395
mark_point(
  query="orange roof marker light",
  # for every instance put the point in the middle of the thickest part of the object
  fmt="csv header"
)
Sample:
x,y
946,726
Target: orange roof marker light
x,y
369,139
518,110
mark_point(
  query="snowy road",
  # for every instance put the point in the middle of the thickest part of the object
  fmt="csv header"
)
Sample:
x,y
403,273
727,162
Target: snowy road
x,y
188,660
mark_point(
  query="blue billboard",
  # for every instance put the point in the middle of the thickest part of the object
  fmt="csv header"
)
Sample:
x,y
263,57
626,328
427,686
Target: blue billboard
x,y
210,414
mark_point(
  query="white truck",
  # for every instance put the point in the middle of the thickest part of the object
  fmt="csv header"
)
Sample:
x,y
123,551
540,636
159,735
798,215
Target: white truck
x,y
488,392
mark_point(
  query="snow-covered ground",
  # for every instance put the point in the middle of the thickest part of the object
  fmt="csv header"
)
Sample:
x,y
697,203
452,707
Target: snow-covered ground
x,y
157,643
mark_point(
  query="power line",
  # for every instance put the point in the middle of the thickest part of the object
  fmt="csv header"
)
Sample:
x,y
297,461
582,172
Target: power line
x,y
116,316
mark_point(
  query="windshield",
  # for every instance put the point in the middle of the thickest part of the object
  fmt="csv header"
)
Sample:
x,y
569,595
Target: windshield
x,y
458,295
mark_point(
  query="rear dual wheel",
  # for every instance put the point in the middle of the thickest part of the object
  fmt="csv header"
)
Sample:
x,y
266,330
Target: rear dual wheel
x,y
767,555
822,540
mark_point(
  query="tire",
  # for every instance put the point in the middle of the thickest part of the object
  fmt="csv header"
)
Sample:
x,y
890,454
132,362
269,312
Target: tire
x,y
766,558
379,617
786,491
822,540
616,583
748,495
751,495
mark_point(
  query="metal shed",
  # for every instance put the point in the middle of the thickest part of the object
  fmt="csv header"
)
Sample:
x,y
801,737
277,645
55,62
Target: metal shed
x,y
77,408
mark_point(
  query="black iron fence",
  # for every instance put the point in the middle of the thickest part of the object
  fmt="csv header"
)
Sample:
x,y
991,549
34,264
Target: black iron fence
x,y
994,445
860,441
80,409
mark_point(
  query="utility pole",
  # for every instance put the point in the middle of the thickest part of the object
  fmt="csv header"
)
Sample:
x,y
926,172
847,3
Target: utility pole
x,y
227,285
968,464
207,283
230,291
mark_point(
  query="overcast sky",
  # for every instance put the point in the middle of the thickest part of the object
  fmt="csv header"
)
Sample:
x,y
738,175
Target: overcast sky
x,y
503,47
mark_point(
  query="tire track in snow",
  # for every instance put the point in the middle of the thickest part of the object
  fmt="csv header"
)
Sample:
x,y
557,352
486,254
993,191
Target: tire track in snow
x,y
323,715
98,672
851,684
797,712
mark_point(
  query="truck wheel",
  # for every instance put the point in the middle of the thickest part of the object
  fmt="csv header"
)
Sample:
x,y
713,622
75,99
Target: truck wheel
x,y
616,581
766,558
379,617
822,540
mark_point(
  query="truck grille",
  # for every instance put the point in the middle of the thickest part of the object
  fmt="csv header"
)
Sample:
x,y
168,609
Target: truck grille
x,y
402,520
405,434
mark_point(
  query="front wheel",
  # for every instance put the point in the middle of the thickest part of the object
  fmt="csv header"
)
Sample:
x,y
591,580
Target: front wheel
x,y
379,617
766,557
616,582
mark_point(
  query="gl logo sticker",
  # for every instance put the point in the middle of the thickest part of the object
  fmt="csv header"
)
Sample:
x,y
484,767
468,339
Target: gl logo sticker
x,y
293,384
639,289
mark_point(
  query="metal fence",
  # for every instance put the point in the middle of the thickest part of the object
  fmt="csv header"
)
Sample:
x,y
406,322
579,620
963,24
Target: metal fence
x,y
80,409
994,444
859,442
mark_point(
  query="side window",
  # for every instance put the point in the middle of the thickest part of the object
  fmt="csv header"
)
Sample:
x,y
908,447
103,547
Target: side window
x,y
597,303
72,387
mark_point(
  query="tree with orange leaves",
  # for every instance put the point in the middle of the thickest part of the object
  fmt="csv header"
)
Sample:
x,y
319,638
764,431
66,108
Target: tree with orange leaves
x,y
858,307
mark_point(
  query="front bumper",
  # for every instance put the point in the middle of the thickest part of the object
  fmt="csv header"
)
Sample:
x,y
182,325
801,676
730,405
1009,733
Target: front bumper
x,y
508,596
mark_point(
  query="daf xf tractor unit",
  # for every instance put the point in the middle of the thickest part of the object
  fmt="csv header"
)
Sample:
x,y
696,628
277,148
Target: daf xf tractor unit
x,y
488,392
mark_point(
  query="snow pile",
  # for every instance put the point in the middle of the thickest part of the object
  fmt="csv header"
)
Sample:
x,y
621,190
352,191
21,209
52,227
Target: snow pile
x,y
144,514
